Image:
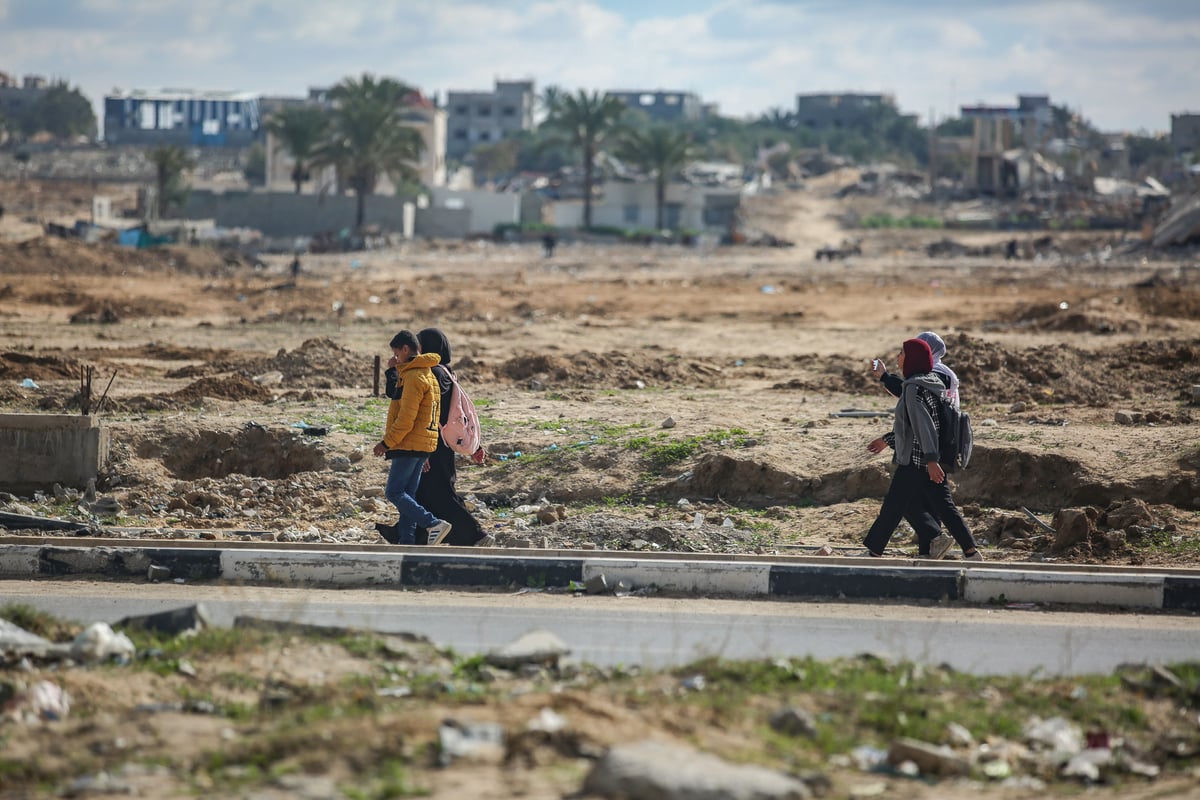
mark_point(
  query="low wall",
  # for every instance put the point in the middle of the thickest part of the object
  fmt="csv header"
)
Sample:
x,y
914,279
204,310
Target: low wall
x,y
40,450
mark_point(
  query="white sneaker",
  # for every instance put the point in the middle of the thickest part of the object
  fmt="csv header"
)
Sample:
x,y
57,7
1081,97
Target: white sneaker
x,y
940,545
439,532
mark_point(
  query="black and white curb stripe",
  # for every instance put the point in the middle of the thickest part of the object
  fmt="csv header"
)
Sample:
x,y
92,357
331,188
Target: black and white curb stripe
x,y
807,580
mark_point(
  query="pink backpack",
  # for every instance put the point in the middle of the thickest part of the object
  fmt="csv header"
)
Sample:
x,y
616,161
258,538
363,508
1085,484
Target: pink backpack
x,y
461,431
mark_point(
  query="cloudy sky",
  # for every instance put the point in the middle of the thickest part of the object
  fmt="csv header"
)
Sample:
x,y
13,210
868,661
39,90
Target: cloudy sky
x,y
1124,64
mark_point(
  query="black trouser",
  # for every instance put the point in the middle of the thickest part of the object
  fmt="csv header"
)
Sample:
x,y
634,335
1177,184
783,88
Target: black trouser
x,y
436,493
914,496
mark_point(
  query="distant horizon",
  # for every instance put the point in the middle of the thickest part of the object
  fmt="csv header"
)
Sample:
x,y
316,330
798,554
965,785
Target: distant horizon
x,y
1124,69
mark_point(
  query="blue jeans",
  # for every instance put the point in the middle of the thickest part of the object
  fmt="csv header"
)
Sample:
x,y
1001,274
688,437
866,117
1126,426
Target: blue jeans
x,y
404,476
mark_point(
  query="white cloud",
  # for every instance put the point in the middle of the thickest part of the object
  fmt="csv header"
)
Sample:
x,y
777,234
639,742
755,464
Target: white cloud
x,y
1122,64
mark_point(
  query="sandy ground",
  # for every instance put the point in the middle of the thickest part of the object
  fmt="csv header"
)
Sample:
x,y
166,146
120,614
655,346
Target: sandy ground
x,y
579,359
576,362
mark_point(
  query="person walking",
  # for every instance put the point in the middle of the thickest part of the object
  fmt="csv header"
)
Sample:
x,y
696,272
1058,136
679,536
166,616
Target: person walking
x,y
922,519
436,491
919,480
410,436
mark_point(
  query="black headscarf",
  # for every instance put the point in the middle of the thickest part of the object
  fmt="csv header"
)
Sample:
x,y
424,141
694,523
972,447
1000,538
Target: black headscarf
x,y
432,340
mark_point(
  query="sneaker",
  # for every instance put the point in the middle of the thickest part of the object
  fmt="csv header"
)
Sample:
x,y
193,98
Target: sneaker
x,y
488,540
388,532
976,556
439,532
940,545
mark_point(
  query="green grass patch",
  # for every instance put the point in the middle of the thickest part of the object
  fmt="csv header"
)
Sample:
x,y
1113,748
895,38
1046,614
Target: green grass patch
x,y
1166,543
662,451
364,419
875,221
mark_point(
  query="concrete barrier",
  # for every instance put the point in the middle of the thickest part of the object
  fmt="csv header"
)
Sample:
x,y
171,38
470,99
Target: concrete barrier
x,y
40,450
1177,590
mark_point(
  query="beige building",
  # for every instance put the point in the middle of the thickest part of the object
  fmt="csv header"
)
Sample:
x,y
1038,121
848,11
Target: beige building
x,y
418,112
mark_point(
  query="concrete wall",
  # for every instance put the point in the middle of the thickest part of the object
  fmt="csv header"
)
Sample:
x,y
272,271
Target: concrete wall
x,y
286,214
39,450
279,214
487,209
632,206
443,223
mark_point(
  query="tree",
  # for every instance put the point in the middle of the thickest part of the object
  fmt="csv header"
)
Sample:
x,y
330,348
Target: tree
x,y
496,159
550,98
585,120
170,162
300,131
367,137
660,151
255,170
62,112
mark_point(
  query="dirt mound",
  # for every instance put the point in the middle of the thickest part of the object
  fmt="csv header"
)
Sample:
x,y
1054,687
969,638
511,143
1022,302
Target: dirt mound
x,y
316,364
254,451
19,366
613,370
52,255
110,311
1169,300
234,387
1065,374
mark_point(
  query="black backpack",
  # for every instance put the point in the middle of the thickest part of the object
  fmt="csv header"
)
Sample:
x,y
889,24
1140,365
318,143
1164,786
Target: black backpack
x,y
955,440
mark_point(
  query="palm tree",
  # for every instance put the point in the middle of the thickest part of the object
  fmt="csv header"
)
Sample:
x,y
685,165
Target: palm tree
x,y
551,97
300,131
585,120
661,151
367,137
170,162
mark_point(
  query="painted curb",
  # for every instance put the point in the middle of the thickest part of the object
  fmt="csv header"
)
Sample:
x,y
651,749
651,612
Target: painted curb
x,y
975,584
1133,591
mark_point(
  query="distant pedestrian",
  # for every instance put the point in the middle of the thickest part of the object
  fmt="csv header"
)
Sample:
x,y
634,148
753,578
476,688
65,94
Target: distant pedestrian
x,y
919,481
410,436
295,268
549,242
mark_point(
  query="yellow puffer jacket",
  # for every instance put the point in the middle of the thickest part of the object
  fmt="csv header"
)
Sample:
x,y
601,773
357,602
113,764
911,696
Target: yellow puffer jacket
x,y
412,420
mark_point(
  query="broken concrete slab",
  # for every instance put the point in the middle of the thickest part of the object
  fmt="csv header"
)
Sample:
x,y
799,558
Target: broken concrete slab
x,y
40,450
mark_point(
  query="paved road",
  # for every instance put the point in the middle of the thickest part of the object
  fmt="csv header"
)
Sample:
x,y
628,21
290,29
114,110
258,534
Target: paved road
x,y
658,632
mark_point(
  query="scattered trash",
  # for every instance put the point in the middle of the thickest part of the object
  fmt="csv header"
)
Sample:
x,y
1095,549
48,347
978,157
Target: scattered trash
x,y
548,721
29,384
48,701
98,642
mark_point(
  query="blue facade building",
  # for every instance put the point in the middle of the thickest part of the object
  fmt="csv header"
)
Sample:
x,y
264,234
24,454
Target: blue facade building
x,y
182,117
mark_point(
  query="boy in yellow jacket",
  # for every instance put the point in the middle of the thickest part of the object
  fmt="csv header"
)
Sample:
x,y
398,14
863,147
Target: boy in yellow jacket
x,y
411,435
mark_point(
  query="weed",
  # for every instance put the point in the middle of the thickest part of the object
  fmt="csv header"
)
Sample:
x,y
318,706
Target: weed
x,y
662,451
365,420
37,622
390,780
1165,543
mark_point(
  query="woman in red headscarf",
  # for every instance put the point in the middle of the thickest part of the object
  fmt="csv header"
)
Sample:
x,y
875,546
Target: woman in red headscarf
x,y
919,480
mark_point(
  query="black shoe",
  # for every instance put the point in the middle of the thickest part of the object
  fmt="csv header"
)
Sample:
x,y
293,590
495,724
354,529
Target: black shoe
x,y
388,532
